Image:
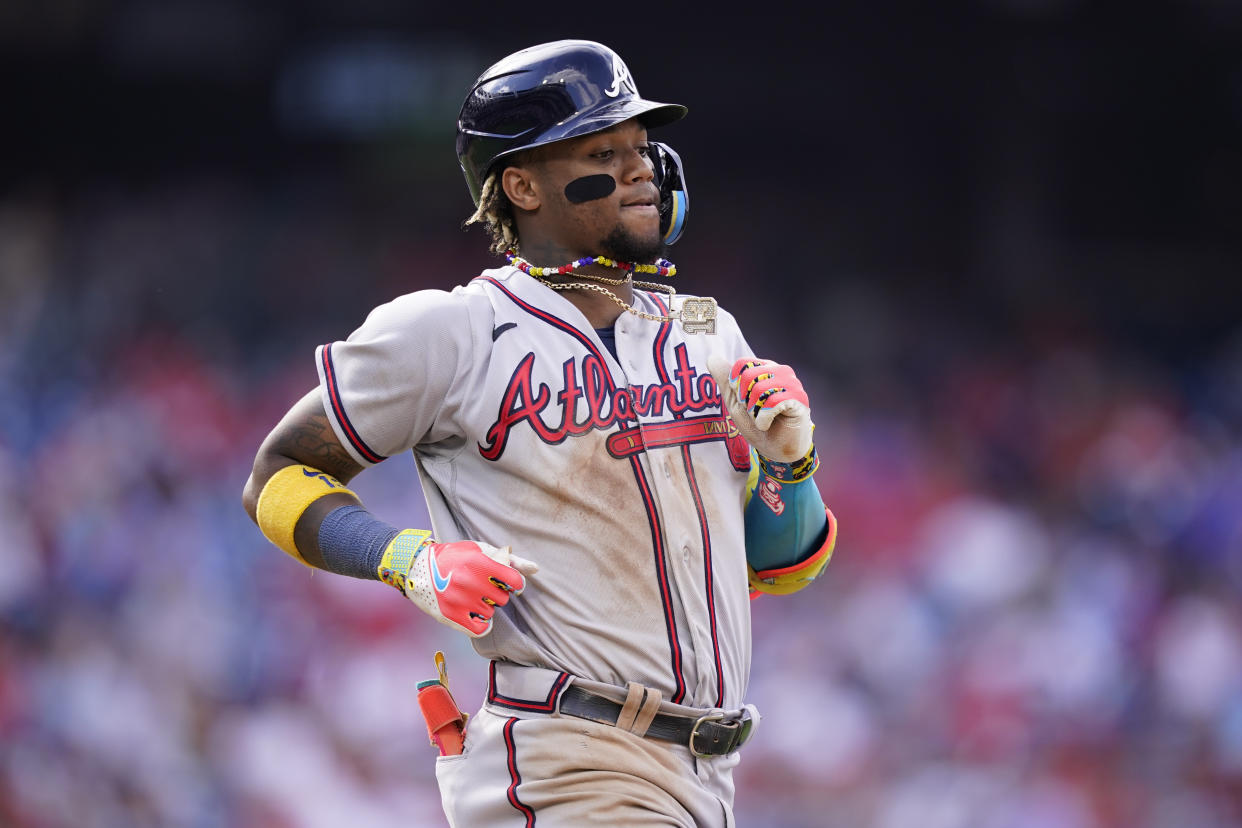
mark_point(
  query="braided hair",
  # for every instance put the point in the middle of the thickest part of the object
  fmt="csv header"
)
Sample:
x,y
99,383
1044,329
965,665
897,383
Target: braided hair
x,y
495,213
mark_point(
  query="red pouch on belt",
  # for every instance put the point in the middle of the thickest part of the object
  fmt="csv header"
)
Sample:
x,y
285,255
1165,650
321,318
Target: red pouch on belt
x,y
446,723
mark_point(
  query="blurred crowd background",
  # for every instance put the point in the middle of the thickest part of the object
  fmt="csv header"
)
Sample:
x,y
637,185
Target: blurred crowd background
x,y
1000,240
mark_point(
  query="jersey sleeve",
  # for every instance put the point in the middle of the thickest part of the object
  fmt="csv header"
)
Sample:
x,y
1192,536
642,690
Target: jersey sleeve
x,y
384,388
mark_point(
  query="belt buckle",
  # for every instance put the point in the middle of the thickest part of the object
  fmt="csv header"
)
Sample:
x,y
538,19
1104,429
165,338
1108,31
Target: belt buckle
x,y
694,732
741,732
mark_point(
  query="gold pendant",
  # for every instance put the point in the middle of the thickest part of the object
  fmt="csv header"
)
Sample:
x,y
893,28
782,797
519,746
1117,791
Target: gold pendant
x,y
698,315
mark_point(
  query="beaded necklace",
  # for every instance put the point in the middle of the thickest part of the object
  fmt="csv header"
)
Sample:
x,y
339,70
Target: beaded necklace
x,y
661,268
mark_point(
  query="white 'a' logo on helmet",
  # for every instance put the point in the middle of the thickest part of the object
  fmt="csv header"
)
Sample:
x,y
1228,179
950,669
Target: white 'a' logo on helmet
x,y
620,79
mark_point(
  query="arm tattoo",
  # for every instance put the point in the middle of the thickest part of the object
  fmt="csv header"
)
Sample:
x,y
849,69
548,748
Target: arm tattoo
x,y
313,443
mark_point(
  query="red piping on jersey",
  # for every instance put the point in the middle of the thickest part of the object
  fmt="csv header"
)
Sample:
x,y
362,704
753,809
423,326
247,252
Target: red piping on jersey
x,y
708,573
338,408
546,706
666,598
515,778
657,348
653,521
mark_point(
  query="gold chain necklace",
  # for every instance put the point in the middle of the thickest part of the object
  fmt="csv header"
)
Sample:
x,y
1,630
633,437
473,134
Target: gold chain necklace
x,y
697,314
620,281
617,299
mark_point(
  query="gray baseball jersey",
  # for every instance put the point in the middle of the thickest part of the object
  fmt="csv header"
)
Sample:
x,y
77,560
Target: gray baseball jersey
x,y
620,478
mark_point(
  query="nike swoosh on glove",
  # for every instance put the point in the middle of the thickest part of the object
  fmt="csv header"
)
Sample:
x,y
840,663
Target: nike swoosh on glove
x,y
768,405
460,584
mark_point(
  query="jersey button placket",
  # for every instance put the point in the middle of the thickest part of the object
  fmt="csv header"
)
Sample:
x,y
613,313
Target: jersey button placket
x,y
669,494
626,359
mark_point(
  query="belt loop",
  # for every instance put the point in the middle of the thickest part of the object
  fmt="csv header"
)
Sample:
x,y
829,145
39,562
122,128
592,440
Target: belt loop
x,y
633,700
651,706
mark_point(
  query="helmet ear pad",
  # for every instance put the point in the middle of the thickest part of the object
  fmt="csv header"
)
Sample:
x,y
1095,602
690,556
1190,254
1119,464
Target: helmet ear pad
x,y
674,195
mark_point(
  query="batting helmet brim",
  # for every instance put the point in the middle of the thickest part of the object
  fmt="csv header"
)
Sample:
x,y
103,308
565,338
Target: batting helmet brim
x,y
650,114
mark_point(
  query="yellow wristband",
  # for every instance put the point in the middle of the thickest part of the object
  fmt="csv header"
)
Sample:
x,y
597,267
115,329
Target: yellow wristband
x,y
394,566
284,499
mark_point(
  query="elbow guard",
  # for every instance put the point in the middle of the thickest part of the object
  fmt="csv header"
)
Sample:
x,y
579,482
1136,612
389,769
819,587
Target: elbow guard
x,y
787,579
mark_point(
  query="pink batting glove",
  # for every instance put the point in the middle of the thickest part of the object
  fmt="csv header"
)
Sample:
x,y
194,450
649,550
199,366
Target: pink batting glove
x,y
460,584
768,405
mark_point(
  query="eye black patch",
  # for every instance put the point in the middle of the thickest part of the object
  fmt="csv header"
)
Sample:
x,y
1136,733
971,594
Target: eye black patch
x,y
589,188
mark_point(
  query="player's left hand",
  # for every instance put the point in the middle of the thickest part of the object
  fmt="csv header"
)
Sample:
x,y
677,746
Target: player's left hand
x,y
768,405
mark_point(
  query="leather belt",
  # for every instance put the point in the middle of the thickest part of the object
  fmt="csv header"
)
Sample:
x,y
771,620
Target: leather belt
x,y
714,734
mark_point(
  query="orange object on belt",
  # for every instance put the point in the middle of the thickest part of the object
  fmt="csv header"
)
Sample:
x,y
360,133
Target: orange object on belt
x,y
446,723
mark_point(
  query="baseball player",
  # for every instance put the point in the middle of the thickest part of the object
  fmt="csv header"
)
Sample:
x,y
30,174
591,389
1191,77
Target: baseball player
x,y
611,474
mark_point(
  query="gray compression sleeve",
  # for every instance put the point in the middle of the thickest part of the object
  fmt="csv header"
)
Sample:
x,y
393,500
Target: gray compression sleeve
x,y
353,541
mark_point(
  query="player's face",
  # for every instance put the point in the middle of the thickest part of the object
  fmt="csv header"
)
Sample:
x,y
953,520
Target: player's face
x,y
624,223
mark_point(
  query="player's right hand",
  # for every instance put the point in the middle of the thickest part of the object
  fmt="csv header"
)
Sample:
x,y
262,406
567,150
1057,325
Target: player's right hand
x,y
461,584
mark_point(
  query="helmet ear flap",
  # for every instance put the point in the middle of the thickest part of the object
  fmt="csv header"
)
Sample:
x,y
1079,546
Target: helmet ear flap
x,y
674,196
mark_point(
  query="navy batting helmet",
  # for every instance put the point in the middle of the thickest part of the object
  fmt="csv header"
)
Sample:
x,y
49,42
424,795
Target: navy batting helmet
x,y
547,93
